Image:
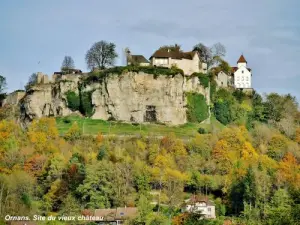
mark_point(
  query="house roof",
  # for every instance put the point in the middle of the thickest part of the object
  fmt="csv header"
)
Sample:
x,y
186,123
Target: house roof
x,y
164,53
139,59
242,59
116,214
196,198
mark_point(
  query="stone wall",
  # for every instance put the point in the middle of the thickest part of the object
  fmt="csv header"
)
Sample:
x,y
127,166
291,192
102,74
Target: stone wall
x,y
13,98
131,97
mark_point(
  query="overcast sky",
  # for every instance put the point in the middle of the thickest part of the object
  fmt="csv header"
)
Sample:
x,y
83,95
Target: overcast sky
x,y
36,35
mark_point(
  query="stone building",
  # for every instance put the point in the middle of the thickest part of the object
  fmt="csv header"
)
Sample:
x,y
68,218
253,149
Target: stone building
x,y
139,60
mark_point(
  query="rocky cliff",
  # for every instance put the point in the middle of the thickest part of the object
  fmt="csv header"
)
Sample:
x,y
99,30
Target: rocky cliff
x,y
130,97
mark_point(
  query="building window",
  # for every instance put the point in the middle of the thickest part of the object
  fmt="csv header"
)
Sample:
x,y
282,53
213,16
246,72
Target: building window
x,y
237,78
242,78
242,71
209,209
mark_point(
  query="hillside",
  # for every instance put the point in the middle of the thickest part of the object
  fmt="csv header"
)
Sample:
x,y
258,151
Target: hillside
x,y
246,162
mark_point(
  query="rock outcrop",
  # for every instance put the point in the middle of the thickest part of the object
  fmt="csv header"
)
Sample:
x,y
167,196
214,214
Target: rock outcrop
x,y
130,97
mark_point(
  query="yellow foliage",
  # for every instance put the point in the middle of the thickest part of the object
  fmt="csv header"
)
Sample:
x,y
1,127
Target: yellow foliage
x,y
46,126
74,132
297,138
248,153
141,145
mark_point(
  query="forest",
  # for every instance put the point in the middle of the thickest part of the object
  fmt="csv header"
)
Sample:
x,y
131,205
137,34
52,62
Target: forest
x,y
249,168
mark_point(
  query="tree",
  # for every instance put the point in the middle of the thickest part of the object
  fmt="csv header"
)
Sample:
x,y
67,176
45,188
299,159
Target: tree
x,y
68,63
101,55
218,50
32,81
2,84
210,55
280,209
98,187
204,52
172,48
74,132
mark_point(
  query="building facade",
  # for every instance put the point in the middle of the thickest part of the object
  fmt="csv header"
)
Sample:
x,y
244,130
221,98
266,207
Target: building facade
x,y
189,62
224,80
242,75
202,205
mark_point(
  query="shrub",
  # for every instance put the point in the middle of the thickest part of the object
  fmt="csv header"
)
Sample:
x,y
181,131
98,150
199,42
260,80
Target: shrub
x,y
67,120
202,131
197,107
203,78
102,153
223,112
73,100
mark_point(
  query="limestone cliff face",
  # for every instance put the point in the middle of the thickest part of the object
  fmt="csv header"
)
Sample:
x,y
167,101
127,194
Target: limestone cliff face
x,y
131,97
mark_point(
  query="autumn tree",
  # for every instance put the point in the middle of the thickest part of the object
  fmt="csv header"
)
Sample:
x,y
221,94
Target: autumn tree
x,y
73,133
101,55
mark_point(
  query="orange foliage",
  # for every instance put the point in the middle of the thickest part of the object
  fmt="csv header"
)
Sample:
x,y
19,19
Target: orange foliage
x,y
34,165
99,138
288,171
179,219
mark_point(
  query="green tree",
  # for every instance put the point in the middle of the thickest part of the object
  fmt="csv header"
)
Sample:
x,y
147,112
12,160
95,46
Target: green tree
x,y
144,207
101,55
279,210
3,85
98,188
73,100
32,81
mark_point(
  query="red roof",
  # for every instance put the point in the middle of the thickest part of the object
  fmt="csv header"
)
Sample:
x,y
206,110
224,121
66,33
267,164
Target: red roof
x,y
242,59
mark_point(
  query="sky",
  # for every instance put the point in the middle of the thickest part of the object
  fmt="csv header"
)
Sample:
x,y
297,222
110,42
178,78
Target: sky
x,y
35,35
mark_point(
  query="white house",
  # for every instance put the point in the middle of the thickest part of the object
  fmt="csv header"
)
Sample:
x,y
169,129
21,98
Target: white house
x,y
242,75
189,62
201,205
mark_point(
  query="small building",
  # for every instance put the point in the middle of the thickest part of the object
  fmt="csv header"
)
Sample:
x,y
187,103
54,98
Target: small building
x,y
202,205
138,60
224,80
189,62
115,216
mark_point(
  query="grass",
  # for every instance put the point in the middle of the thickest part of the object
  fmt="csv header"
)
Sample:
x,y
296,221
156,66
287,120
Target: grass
x,y
94,126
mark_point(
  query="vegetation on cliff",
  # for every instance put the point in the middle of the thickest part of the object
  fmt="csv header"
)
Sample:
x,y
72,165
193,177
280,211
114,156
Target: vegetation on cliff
x,y
197,109
99,76
81,102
